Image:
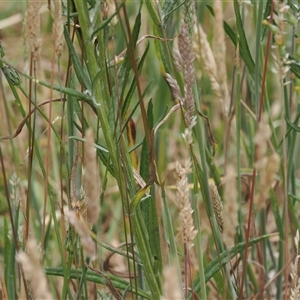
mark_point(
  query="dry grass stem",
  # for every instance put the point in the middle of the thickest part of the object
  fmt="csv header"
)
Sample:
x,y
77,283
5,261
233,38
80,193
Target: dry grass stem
x,y
33,25
174,108
230,211
171,284
295,291
261,140
57,27
30,262
91,179
185,216
267,177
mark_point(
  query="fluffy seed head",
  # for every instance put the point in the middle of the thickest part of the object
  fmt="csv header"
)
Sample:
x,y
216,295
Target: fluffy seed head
x,y
33,25
30,262
174,88
185,216
83,231
187,59
57,27
188,132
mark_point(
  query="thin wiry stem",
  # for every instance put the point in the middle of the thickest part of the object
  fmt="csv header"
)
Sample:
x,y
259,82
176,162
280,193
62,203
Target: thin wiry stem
x,y
251,201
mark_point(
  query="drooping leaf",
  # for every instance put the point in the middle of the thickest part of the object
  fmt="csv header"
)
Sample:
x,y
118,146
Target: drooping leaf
x,y
221,260
118,282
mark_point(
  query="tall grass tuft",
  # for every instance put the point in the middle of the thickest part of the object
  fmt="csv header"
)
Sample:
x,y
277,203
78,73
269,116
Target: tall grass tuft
x,y
156,150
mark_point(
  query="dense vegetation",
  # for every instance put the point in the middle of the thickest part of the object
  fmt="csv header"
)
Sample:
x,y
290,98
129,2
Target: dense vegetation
x,y
149,149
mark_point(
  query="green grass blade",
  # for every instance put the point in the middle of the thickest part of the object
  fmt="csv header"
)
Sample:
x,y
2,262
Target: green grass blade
x,y
9,264
81,74
223,258
118,283
243,43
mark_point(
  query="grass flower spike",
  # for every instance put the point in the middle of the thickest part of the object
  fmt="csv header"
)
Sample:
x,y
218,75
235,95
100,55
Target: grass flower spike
x,y
185,216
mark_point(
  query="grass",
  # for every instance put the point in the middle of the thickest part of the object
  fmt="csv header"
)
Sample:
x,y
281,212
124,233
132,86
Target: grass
x,y
141,139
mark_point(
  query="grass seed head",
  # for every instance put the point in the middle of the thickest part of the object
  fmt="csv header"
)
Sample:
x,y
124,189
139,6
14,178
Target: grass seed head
x,y
33,24
30,262
186,226
217,205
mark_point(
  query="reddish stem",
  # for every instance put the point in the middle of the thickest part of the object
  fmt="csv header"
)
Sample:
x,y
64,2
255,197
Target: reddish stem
x,y
255,154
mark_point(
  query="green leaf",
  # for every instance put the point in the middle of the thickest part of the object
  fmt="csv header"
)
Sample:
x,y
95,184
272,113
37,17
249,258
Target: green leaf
x,y
162,48
265,17
144,165
243,44
78,109
169,7
106,22
292,125
153,230
221,260
126,65
148,207
82,76
9,263
71,122
11,260
132,88
142,240
146,91
162,53
294,65
229,31
118,282
153,8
